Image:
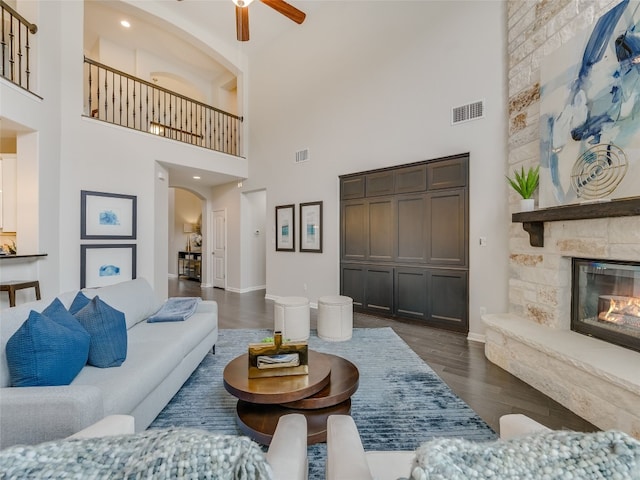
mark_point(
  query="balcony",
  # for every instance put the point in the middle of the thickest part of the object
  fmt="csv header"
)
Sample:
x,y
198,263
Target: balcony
x,y
15,35
118,98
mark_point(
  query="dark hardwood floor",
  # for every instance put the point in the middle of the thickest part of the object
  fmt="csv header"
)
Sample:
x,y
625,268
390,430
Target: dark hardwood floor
x,y
488,389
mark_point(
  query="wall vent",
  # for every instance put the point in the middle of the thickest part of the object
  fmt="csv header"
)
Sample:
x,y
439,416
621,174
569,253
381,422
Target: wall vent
x,y
302,155
466,113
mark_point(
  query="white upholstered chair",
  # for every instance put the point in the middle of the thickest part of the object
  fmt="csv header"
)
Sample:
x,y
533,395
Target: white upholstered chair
x,y
347,459
287,453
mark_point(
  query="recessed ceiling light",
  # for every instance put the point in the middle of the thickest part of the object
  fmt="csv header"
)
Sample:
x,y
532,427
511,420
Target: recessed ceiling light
x,y
125,23
195,177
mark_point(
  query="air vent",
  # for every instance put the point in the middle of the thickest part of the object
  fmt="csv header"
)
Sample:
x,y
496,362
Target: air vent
x,y
466,113
302,155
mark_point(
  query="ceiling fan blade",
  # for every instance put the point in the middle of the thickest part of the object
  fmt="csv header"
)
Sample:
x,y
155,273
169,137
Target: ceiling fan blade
x,y
242,23
287,10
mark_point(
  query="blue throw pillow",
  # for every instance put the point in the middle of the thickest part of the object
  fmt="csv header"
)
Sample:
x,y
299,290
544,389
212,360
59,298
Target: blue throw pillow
x,y
46,351
79,302
108,330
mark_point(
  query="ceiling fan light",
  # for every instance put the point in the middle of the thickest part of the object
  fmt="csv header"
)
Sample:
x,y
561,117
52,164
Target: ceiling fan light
x,y
242,3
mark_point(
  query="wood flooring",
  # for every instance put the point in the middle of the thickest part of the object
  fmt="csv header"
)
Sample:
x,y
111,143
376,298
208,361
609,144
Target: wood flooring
x,y
488,389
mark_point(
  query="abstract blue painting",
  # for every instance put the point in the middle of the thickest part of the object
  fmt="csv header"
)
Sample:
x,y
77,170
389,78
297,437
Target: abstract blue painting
x,y
590,113
109,217
108,271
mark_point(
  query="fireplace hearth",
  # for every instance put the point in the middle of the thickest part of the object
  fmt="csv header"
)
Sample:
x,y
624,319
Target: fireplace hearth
x,y
605,300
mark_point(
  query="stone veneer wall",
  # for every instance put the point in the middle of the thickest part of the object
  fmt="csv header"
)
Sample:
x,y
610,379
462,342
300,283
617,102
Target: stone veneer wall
x,y
539,285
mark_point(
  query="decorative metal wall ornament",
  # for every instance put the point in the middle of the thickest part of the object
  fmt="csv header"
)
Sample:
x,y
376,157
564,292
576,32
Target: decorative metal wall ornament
x,y
598,171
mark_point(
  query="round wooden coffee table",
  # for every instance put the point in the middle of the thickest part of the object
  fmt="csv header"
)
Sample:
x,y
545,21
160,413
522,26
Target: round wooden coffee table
x,y
325,391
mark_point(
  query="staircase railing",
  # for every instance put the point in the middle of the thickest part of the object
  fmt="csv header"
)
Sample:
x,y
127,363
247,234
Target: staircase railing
x,y
15,32
122,99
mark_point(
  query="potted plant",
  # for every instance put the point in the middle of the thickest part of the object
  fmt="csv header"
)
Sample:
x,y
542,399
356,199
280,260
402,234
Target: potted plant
x,y
525,183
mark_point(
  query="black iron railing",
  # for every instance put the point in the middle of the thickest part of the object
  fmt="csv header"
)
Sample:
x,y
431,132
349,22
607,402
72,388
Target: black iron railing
x,y
122,99
15,33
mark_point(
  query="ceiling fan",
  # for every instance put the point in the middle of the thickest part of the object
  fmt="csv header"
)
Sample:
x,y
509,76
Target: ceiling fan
x,y
242,15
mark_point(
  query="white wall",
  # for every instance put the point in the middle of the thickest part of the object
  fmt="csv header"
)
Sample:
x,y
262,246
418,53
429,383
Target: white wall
x,y
371,84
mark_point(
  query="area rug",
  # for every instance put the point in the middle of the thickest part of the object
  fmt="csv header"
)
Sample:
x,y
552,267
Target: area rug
x,y
400,401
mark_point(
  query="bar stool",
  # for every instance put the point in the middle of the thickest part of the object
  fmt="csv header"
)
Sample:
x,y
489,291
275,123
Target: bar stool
x,y
14,285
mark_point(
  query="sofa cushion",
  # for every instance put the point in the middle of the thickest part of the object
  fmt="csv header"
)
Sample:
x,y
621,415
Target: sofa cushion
x,y
550,455
47,350
148,365
108,330
135,298
79,302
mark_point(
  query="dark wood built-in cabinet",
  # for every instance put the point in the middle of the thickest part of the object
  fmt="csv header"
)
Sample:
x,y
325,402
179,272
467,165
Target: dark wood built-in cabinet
x,y
404,241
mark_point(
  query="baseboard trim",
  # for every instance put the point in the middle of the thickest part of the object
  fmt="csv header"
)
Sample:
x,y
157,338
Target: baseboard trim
x,y
246,290
476,337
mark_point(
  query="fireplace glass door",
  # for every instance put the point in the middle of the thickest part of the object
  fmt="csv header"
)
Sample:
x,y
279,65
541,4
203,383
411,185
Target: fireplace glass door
x,y
605,301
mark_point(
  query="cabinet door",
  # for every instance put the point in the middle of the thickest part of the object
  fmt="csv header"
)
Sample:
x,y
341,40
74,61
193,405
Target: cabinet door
x,y
411,292
447,227
411,179
447,294
379,289
351,187
381,229
448,173
355,227
411,235
352,280
380,183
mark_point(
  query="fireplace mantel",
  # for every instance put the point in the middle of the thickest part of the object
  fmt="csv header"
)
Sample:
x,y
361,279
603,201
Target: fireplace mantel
x,y
533,222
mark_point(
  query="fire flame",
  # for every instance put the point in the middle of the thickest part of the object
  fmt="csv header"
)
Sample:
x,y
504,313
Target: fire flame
x,y
622,310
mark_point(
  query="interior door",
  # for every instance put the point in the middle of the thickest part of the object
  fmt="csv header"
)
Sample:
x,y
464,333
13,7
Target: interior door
x,y
219,248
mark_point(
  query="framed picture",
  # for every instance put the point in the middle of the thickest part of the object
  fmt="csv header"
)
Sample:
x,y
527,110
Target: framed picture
x,y
311,227
104,264
285,228
107,216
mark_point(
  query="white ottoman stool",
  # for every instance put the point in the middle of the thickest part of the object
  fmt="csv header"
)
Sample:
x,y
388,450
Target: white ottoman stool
x,y
335,318
291,316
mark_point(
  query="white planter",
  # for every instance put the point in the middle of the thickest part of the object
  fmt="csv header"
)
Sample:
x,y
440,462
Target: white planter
x,y
527,204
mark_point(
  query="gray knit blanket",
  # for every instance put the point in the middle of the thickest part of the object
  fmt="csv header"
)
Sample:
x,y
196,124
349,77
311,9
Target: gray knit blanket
x,y
556,455
153,454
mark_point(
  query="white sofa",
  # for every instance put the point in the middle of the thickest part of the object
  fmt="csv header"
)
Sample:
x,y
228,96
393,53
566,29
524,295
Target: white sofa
x,y
347,459
160,358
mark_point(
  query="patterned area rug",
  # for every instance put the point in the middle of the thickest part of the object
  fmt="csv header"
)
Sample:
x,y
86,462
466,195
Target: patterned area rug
x,y
400,402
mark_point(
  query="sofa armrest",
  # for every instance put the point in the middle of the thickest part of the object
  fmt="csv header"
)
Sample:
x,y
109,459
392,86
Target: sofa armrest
x,y
31,415
346,459
517,425
207,306
108,426
287,454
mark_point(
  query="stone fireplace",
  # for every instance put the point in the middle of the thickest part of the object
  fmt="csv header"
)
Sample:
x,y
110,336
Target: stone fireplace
x,y
605,300
596,379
